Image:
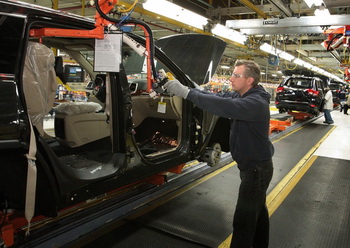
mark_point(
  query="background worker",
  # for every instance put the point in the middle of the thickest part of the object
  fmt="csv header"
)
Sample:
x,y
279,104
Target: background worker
x,y
347,105
247,107
342,97
328,106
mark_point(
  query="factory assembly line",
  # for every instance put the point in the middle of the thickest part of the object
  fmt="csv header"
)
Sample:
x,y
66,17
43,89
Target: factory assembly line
x,y
125,150
128,131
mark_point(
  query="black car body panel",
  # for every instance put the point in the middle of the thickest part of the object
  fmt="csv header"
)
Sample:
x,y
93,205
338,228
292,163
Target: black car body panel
x,y
92,153
196,61
300,93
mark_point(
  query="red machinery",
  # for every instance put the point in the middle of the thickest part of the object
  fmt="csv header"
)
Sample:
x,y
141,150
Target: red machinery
x,y
336,38
103,8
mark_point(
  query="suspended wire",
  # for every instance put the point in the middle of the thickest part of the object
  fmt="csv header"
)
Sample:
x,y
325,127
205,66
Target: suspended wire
x,y
126,17
130,9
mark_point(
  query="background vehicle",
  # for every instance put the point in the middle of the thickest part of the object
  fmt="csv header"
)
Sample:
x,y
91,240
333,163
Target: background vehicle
x,y
300,93
118,136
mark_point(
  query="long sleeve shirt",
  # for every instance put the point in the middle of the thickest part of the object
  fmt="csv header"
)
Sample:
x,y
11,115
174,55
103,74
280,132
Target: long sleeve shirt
x,y
250,121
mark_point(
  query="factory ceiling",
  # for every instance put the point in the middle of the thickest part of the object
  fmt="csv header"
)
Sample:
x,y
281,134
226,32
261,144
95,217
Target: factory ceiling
x,y
289,25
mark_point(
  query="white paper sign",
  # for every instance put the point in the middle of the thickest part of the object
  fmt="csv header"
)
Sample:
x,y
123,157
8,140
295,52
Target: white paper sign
x,y
161,106
108,53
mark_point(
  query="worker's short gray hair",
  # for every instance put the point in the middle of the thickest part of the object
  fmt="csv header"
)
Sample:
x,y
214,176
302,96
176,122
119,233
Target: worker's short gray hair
x,y
252,69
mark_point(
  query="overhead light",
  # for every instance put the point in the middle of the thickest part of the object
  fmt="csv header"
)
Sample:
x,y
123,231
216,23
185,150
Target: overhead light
x,y
268,48
286,56
227,33
322,12
224,67
175,12
299,62
275,51
313,2
308,65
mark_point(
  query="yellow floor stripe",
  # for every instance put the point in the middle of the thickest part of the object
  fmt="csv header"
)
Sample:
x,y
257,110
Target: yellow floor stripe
x,y
282,190
285,186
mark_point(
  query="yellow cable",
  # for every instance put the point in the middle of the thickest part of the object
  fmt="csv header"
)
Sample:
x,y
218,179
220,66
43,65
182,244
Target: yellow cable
x,y
128,10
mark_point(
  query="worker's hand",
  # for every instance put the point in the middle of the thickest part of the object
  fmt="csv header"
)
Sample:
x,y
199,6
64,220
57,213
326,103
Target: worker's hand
x,y
174,87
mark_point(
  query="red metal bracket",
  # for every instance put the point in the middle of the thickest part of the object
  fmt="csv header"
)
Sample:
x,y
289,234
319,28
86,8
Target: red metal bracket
x,y
98,33
300,115
161,178
278,126
105,5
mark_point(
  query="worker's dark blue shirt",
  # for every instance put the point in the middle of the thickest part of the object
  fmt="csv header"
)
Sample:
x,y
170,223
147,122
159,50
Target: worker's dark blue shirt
x,y
250,122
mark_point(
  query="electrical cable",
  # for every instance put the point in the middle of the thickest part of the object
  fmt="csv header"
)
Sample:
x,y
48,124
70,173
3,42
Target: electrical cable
x,y
331,41
130,9
124,18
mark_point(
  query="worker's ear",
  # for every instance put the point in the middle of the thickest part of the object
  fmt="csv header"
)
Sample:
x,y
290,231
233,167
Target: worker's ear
x,y
250,80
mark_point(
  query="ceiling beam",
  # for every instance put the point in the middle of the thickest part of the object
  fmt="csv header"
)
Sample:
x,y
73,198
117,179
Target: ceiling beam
x,y
303,21
282,30
307,47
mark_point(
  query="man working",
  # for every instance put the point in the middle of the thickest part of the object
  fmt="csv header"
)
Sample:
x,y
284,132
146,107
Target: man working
x,y
248,108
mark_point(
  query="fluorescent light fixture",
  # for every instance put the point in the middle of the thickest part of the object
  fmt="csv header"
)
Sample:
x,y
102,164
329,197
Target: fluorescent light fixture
x,y
270,49
308,65
316,69
225,67
315,2
299,62
286,56
322,12
227,33
175,12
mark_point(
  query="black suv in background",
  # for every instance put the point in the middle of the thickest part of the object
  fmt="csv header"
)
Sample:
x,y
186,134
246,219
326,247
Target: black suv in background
x,y
300,93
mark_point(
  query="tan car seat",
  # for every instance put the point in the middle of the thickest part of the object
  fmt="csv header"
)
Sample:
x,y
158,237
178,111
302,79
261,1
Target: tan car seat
x,y
39,82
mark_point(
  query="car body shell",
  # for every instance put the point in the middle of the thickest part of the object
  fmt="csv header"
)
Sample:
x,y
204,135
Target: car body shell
x,y
127,148
300,93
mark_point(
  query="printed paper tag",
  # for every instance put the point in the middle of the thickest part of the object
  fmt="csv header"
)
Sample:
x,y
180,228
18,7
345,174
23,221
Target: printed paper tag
x,y
161,106
153,94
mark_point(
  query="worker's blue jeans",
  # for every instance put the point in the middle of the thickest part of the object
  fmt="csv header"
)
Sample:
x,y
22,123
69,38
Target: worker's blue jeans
x,y
251,219
327,116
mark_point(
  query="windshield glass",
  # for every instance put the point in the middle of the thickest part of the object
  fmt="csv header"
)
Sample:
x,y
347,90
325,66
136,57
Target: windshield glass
x,y
302,83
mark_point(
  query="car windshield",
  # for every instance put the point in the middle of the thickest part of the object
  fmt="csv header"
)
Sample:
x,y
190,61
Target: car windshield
x,y
302,83
334,86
